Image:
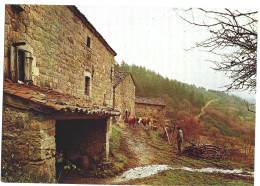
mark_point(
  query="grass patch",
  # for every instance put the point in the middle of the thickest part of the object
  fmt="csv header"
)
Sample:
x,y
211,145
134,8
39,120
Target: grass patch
x,y
181,177
115,139
202,163
158,141
120,161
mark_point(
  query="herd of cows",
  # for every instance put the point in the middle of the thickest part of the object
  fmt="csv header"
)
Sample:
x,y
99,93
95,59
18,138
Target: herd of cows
x,y
136,122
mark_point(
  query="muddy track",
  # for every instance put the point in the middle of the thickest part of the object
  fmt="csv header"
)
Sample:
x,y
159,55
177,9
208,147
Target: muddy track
x,y
136,141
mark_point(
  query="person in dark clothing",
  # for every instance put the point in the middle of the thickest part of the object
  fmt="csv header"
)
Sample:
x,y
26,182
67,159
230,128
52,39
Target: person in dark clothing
x,y
179,139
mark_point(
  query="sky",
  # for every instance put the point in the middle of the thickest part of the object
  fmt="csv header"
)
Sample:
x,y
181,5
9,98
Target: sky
x,y
157,38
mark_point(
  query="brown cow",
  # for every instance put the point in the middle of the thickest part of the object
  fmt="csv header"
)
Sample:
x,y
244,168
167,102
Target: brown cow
x,y
131,121
146,122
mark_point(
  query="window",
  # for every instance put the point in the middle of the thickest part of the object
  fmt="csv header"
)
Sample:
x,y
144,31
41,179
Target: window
x,y
24,66
111,74
87,85
88,41
21,63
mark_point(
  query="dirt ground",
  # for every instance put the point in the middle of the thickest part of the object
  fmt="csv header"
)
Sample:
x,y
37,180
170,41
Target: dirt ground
x,y
136,143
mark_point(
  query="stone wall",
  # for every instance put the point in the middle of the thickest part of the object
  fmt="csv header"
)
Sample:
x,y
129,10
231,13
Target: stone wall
x,y
157,112
60,55
125,97
28,144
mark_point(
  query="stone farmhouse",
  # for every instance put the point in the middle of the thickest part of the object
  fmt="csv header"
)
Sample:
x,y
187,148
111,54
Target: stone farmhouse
x,y
124,94
128,104
58,89
154,108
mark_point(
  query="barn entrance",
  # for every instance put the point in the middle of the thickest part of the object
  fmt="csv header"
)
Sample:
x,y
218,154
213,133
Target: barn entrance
x,y
81,142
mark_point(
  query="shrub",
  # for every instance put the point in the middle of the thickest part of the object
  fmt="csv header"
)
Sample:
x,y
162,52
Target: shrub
x,y
191,129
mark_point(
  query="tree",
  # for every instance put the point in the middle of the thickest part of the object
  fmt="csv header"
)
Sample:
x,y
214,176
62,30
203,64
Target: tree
x,y
233,37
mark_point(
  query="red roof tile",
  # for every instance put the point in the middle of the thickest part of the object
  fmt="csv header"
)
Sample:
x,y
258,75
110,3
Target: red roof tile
x,y
55,101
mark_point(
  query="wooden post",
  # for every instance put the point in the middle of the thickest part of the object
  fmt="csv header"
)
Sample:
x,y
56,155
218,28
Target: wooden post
x,y
108,135
167,135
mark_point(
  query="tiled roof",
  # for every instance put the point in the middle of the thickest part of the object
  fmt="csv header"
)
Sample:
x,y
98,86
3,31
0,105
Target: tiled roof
x,y
149,101
120,76
54,101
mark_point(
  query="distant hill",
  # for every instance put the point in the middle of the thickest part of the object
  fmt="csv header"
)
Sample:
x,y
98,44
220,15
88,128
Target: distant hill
x,y
228,115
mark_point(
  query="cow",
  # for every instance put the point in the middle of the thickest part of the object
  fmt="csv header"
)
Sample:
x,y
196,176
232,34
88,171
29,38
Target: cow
x,y
131,120
154,121
153,127
146,122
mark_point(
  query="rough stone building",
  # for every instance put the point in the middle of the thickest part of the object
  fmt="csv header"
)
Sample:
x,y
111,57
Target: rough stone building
x,y
150,107
58,89
124,94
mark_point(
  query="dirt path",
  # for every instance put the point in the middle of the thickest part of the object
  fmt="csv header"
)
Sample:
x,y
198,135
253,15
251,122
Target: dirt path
x,y
203,108
135,141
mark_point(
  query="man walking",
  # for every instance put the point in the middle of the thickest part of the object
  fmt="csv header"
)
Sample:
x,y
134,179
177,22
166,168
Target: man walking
x,y
179,139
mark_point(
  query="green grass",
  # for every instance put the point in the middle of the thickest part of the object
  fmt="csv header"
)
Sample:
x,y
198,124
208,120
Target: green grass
x,y
121,160
202,163
158,142
115,139
181,177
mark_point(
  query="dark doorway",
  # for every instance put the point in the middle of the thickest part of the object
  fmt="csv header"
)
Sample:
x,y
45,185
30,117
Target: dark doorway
x,y
80,142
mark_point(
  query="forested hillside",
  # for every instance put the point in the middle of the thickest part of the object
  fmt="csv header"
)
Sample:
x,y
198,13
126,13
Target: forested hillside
x,y
181,98
225,119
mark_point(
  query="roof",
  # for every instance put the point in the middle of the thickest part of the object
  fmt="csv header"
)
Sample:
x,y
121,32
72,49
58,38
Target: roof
x,y
82,17
120,76
149,101
52,102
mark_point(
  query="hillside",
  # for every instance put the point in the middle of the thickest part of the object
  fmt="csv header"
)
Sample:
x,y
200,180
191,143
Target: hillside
x,y
224,121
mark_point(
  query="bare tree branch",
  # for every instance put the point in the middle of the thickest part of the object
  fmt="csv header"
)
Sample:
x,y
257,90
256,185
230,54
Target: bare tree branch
x,y
234,39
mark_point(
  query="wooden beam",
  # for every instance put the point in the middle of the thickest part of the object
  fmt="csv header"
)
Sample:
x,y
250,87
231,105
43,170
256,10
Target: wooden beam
x,y
67,116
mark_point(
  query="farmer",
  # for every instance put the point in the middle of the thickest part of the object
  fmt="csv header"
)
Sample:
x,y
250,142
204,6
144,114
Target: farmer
x,y
179,139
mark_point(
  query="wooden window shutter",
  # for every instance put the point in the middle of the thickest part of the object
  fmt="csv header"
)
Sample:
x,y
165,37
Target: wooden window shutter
x,y
13,64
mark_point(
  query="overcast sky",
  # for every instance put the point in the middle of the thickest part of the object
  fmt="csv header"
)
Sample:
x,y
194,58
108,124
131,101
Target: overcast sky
x,y
156,37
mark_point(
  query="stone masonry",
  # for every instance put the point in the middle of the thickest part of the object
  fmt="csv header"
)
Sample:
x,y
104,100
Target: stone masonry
x,y
153,108
61,57
124,94
64,56
29,139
